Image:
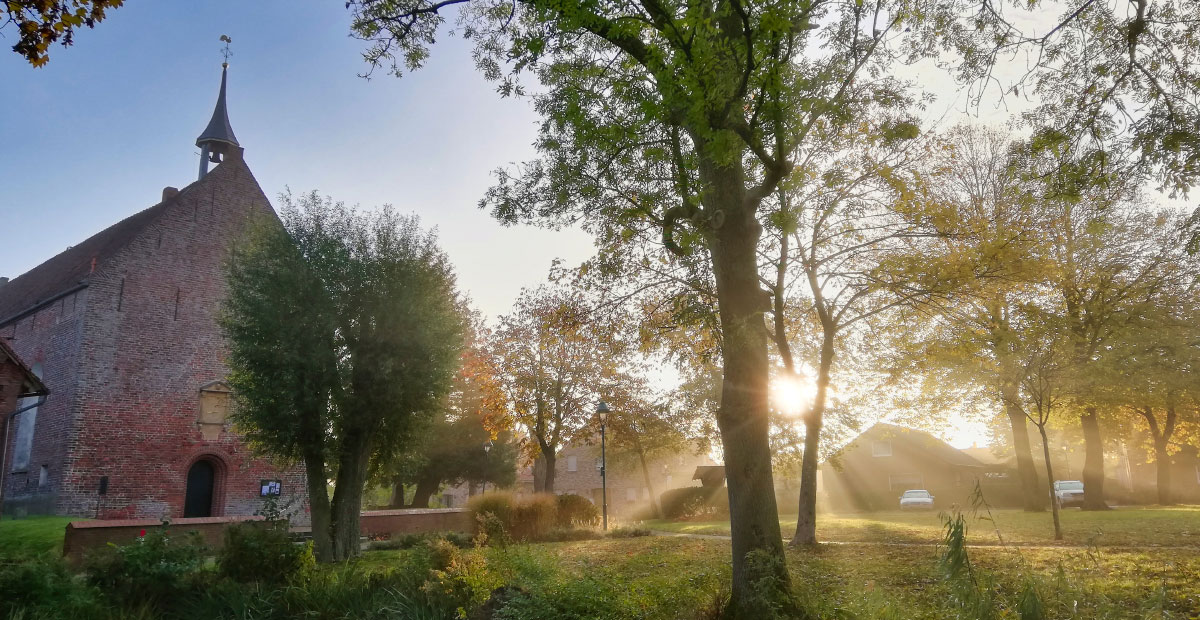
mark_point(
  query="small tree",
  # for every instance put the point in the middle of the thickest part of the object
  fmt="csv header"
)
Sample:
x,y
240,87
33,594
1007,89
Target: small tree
x,y
554,354
344,333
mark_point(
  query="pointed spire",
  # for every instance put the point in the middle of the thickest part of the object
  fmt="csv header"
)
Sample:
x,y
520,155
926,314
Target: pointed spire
x,y
217,139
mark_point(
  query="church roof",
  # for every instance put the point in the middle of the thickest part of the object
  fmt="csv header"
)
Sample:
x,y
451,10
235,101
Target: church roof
x,y
70,269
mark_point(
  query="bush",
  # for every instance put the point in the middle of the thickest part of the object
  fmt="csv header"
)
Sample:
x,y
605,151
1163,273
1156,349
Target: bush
x,y
499,504
521,518
155,569
694,502
577,511
533,516
408,541
45,588
263,552
560,534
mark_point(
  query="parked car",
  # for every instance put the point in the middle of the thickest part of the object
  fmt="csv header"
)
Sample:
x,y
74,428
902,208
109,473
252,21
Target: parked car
x,y
916,498
1068,493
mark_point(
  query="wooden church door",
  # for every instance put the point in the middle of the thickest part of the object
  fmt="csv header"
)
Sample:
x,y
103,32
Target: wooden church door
x,y
198,499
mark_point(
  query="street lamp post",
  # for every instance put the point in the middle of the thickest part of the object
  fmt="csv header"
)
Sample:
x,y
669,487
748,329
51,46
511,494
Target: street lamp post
x,y
487,447
602,413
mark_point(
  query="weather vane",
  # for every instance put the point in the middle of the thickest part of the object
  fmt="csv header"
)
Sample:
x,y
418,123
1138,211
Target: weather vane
x,y
225,51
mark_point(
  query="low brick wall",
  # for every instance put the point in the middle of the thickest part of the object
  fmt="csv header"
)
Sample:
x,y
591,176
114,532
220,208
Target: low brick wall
x,y
82,536
414,521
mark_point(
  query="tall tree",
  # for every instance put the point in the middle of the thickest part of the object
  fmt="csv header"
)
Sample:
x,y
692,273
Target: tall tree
x,y
684,117
555,354
344,332
969,341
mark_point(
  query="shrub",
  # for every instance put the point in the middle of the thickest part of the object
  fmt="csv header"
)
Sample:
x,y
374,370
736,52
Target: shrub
x,y
155,569
499,504
522,518
45,588
577,511
264,552
533,516
408,541
561,534
693,502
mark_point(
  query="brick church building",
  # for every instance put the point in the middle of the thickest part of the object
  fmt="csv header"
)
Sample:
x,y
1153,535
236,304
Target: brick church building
x,y
121,328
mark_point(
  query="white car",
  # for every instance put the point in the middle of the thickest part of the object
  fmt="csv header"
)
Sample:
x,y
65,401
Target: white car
x,y
1068,493
916,498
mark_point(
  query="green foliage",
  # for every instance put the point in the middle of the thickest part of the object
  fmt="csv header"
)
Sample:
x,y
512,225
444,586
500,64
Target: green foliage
x,y
499,504
45,587
694,503
576,511
264,552
409,541
344,333
155,570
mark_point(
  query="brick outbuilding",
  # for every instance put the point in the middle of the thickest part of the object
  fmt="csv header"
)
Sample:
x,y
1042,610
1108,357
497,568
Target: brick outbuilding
x,y
122,329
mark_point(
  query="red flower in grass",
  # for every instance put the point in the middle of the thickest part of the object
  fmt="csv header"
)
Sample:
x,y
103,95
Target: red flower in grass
x,y
142,534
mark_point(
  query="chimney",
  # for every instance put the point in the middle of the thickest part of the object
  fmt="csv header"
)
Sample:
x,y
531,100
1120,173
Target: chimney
x,y
3,281
169,193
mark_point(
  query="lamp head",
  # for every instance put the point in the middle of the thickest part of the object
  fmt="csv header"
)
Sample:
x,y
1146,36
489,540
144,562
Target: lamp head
x,y
602,412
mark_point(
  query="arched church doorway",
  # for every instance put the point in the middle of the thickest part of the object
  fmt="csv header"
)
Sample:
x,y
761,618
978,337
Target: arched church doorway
x,y
201,483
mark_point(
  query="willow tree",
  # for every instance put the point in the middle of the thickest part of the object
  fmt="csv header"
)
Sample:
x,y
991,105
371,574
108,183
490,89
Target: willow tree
x,y
344,332
684,117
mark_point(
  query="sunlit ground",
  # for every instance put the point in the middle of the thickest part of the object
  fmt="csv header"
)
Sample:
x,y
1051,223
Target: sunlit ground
x,y
1121,527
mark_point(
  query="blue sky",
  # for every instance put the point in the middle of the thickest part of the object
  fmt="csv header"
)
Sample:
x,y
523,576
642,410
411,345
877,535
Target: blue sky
x,y
96,134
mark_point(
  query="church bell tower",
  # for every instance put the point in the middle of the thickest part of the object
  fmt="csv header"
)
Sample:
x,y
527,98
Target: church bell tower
x,y
217,140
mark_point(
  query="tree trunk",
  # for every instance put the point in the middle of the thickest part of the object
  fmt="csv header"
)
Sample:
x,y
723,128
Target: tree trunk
x,y
649,485
806,515
320,517
397,500
1093,462
347,495
1050,479
1162,467
743,414
548,483
426,487
539,475
1162,460
1031,493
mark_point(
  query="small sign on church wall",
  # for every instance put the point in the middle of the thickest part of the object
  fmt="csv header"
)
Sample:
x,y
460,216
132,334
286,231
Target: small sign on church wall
x,y
270,488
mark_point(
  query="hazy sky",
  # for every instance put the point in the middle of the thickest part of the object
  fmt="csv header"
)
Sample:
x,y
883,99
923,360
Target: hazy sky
x,y
95,135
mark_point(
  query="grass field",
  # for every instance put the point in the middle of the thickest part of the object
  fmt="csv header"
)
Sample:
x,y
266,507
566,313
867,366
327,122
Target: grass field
x,y
667,578
1121,527
32,536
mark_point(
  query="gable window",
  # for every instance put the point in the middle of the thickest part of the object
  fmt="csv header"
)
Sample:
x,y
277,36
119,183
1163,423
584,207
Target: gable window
x,y
572,463
43,476
214,409
881,448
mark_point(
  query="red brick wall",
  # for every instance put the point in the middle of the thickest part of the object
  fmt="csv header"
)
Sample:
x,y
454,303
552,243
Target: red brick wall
x,y
83,536
125,373
414,521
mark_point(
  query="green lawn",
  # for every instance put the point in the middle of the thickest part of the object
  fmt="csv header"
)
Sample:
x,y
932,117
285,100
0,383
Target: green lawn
x,y
33,536
665,577
1121,527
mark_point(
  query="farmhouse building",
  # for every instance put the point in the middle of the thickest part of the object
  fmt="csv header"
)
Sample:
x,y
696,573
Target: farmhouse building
x,y
122,330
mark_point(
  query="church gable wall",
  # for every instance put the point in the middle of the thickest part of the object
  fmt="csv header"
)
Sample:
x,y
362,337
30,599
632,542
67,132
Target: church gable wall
x,y
154,363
